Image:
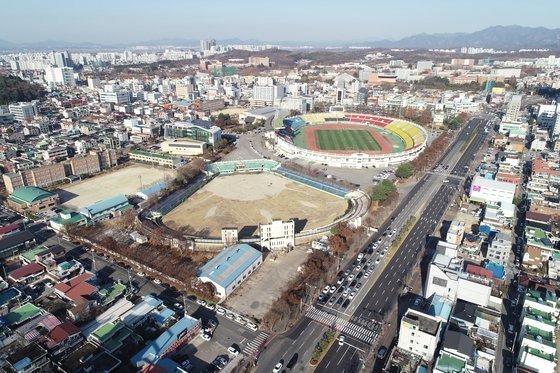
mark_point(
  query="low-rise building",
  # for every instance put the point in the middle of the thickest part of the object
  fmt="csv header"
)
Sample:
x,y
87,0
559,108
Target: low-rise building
x,y
499,248
32,199
419,334
455,232
106,209
278,235
227,270
156,159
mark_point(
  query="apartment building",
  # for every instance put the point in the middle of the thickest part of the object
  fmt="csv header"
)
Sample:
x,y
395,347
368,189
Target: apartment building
x,y
24,111
42,176
87,164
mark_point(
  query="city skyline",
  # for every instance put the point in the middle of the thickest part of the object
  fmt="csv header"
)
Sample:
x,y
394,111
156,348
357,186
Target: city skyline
x,y
106,22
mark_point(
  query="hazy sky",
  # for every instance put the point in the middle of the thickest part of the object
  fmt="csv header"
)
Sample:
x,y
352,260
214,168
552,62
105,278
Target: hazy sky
x,y
123,21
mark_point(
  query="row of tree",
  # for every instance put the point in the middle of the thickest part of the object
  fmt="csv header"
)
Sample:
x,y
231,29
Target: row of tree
x,y
431,154
341,238
382,191
456,121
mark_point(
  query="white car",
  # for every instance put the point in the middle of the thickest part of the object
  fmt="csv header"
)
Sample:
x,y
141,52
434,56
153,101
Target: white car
x,y
377,261
49,284
202,302
340,280
352,295
326,289
350,278
341,340
211,306
178,306
157,282
220,311
366,275
230,316
251,326
232,350
277,368
140,274
206,336
332,289
382,254
346,291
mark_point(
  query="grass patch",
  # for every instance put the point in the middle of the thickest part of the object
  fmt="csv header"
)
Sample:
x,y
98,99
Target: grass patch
x,y
322,347
347,139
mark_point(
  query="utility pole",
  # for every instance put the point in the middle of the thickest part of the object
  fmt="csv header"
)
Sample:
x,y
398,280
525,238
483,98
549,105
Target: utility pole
x,y
93,266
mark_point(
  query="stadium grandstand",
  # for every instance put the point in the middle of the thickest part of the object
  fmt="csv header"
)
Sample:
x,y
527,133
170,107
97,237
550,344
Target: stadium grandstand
x,y
312,182
350,139
230,167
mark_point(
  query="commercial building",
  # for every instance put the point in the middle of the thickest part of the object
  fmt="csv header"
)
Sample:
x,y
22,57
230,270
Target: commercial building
x,y
278,235
514,105
117,97
491,191
199,130
32,199
55,153
227,270
15,242
419,334
106,209
24,111
182,331
156,159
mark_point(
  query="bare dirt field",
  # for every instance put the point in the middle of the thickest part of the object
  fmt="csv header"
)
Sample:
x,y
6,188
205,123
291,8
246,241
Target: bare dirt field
x,y
245,200
127,181
256,295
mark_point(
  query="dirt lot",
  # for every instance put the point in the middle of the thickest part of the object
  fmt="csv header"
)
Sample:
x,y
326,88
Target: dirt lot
x,y
245,200
255,296
126,181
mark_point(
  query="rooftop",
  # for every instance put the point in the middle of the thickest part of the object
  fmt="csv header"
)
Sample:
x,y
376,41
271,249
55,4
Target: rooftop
x,y
29,194
21,314
425,323
225,267
105,205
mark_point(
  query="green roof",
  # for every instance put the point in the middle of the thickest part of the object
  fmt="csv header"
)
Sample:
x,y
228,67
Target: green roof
x,y
449,363
26,312
106,330
75,218
30,254
29,194
111,293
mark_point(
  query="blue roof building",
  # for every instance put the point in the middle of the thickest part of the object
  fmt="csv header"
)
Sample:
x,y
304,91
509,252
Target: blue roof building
x,y
106,208
227,270
167,342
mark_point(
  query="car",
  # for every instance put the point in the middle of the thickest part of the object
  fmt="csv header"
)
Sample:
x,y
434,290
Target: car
x,y
377,261
332,289
352,295
357,268
394,231
360,256
366,275
178,306
353,283
331,301
340,280
363,261
347,272
206,336
379,240
157,281
346,303
339,301
370,251
49,284
417,301
359,285
365,268
202,302
350,278
340,289
381,352
232,350
140,274
341,340
277,367
230,315
211,306
359,275
220,311
292,363
321,297
382,254
326,289
346,291
511,328
251,326
370,262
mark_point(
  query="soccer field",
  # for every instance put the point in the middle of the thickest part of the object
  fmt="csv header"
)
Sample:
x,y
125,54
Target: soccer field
x,y
347,139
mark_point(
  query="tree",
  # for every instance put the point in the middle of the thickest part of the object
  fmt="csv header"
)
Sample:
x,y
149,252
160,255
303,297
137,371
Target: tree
x,y
14,89
425,117
404,171
381,191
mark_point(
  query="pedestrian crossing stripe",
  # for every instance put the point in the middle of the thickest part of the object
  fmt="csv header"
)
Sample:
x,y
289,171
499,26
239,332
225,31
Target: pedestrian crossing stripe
x,y
253,347
342,325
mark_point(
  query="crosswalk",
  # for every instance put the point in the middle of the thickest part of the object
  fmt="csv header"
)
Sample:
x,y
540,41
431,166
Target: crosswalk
x,y
344,326
253,347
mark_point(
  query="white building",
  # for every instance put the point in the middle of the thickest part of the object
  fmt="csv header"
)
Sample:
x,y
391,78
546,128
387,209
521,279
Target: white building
x,y
491,191
547,115
227,270
278,235
117,97
500,248
419,334
513,108
59,76
24,111
56,152
455,232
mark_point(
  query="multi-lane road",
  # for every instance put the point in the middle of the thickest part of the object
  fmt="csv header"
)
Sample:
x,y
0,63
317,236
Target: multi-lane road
x,y
360,320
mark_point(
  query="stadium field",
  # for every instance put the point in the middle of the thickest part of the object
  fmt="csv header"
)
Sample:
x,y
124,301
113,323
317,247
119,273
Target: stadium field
x,y
347,139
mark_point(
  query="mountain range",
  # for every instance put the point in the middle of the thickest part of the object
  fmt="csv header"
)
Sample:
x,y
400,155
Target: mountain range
x,y
498,37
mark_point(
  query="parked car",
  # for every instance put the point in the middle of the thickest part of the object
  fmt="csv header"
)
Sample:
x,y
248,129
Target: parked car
x,y
341,340
232,350
381,352
277,367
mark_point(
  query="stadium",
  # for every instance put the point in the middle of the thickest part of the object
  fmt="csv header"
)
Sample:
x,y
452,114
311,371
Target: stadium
x,y
274,193
350,140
